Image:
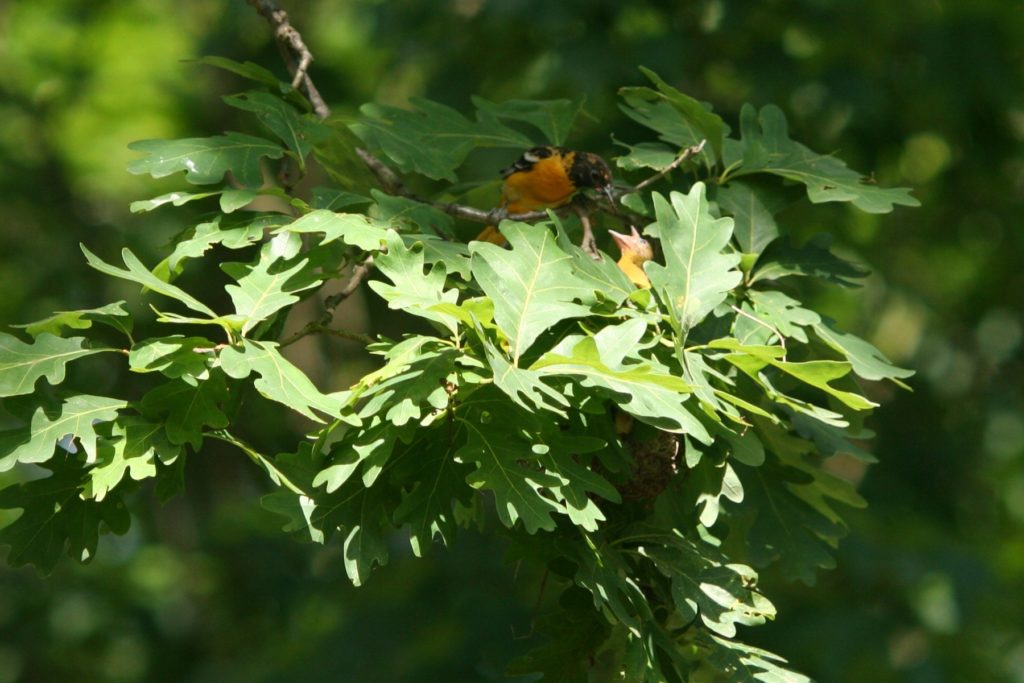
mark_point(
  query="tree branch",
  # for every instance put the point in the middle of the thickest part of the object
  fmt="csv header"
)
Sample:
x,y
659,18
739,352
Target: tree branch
x,y
288,36
359,274
322,325
683,157
389,180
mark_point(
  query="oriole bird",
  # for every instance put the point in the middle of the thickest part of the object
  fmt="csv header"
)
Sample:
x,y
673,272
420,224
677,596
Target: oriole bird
x,y
546,178
636,251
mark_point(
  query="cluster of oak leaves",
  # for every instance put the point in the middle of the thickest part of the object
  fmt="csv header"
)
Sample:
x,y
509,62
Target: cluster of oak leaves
x,y
651,447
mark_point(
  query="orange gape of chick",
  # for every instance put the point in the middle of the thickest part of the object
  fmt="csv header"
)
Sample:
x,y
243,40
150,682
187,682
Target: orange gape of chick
x,y
546,178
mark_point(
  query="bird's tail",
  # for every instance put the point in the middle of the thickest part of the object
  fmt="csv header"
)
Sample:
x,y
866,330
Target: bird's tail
x,y
493,235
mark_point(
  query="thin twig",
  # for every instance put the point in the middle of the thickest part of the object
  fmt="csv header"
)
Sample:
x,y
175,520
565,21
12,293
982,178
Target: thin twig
x,y
322,325
317,328
359,274
536,607
389,180
286,34
683,157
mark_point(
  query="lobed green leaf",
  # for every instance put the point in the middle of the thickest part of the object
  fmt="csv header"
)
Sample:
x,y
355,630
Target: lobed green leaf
x,y
206,160
21,364
532,285
767,148
76,420
698,274
398,134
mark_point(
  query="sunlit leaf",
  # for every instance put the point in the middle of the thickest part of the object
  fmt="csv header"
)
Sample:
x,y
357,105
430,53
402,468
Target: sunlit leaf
x,y
74,422
781,314
267,287
174,356
231,232
866,360
606,279
638,387
753,210
504,467
524,386
411,289
134,447
112,315
677,117
653,155
742,662
174,198
580,486
351,228
21,364
698,274
533,285
704,582
136,272
279,380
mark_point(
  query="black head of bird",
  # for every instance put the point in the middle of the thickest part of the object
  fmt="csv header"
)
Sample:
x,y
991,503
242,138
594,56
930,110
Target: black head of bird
x,y
590,170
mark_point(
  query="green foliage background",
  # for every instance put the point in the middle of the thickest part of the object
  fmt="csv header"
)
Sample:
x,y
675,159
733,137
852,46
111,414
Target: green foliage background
x,y
927,94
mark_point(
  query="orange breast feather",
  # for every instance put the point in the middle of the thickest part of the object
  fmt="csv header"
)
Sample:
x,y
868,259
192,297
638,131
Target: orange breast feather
x,y
545,185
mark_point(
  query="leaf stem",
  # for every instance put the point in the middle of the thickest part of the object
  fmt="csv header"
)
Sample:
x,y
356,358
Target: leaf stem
x,y
775,330
266,463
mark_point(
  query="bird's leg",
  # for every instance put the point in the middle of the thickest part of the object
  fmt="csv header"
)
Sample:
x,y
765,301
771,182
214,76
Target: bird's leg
x,y
587,244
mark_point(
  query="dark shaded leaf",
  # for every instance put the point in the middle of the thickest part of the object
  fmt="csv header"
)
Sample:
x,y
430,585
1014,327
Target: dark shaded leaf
x,y
767,148
56,519
553,118
206,160
398,134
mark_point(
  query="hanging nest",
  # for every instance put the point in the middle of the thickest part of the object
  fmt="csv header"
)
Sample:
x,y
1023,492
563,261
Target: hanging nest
x,y
655,458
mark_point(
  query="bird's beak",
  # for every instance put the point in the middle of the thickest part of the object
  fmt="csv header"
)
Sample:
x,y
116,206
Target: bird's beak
x,y
609,192
625,242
